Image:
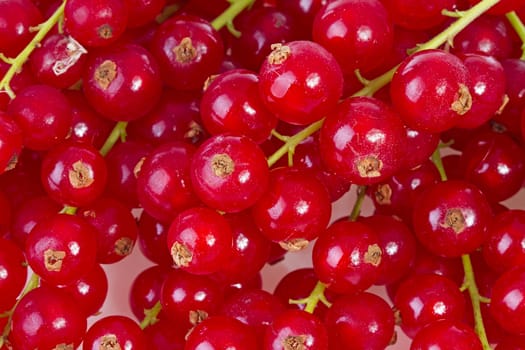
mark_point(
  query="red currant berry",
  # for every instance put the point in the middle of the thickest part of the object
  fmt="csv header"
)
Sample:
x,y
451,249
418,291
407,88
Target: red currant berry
x,y
446,334
43,114
114,332
96,23
300,82
229,173
11,140
430,90
507,304
417,15
188,50
122,83
152,240
17,18
363,141
221,332
450,218
74,174
294,210
347,257
359,33
231,103
47,318
62,248
13,273
200,240
145,290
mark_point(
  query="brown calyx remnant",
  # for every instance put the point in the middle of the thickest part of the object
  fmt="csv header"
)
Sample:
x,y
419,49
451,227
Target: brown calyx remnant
x,y
455,220
123,246
197,316
208,81
138,166
109,342
462,100
370,166
105,31
64,346
294,245
222,165
279,54
393,340
295,342
373,255
185,52
194,132
181,255
383,194
80,176
105,74
53,259
12,163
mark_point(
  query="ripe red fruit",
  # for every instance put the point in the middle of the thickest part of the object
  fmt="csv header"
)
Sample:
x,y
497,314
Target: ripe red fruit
x,y
300,82
430,90
507,304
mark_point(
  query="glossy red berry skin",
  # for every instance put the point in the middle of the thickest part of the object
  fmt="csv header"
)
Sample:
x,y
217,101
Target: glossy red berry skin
x,y
61,249
296,328
398,244
229,173
152,240
43,114
116,228
47,318
362,140
364,320
250,250
176,117
11,140
450,218
359,33
96,23
17,18
495,163
114,332
123,161
416,15
487,87
188,299
122,82
446,334
232,104
200,240
142,12
425,298
13,273
507,303
504,246
164,181
254,307
145,290
221,332
430,90
300,93
58,61
294,210
74,174
347,257
188,50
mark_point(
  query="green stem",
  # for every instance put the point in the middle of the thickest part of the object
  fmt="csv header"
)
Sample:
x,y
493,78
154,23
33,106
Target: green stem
x,y
236,7
118,132
22,57
438,162
150,315
519,28
476,301
374,85
68,210
31,284
356,210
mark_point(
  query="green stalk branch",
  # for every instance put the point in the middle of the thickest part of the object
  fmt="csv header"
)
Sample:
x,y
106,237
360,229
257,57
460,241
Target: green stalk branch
x,y
519,28
356,210
374,85
150,315
18,62
226,18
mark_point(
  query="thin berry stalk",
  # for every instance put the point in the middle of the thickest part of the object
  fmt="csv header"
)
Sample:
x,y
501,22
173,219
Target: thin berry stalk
x,y
519,28
150,315
18,61
226,18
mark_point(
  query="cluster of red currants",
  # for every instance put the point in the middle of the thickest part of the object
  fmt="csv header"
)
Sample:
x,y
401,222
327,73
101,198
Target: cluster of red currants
x,y
217,135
